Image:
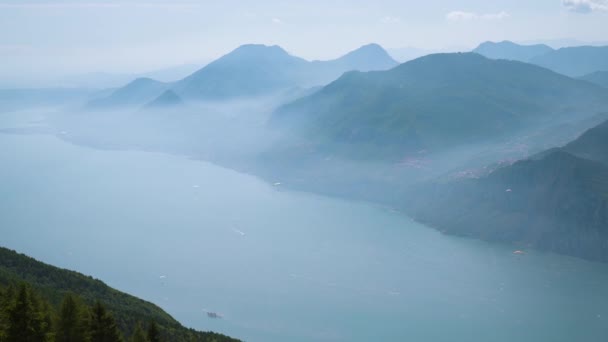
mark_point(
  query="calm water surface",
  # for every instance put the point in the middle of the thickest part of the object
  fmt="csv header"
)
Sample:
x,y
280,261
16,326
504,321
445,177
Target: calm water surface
x,y
280,266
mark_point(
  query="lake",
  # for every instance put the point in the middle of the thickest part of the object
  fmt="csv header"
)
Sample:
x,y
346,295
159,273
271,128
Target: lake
x,y
278,265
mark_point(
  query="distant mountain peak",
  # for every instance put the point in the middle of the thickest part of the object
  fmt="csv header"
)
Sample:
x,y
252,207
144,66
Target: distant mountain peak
x,y
135,93
575,61
167,99
504,42
434,102
259,50
259,47
447,61
370,50
143,81
507,49
368,57
510,43
371,47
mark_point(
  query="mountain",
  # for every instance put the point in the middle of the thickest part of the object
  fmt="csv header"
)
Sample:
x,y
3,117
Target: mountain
x,y
366,58
511,51
254,70
406,54
135,93
250,70
599,77
54,283
433,103
575,61
555,201
592,145
167,99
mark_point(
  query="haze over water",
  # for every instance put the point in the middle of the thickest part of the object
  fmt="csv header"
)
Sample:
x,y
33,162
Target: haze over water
x,y
279,265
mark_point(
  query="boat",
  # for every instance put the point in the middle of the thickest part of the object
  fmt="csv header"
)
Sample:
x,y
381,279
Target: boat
x,y
214,315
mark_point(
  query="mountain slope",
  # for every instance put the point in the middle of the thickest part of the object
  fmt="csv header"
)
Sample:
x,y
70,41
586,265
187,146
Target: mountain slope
x,y
436,102
135,93
254,70
54,283
592,145
167,99
250,70
575,61
511,51
599,77
555,201
366,58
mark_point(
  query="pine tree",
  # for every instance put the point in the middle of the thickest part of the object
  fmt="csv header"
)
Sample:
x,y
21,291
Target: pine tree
x,y
4,295
70,323
153,332
45,317
138,334
103,327
24,323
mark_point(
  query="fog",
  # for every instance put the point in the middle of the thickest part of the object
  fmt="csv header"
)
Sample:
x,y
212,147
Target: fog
x,y
237,134
276,264
312,171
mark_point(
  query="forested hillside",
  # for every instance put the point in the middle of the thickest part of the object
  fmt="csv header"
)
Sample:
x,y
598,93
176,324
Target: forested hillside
x,y
39,302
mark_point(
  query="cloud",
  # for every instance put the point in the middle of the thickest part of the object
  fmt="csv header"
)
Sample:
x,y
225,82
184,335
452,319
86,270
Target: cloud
x,y
468,16
585,6
390,20
277,21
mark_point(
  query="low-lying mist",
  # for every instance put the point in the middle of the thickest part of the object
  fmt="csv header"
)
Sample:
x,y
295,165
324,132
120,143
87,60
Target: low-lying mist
x,y
237,134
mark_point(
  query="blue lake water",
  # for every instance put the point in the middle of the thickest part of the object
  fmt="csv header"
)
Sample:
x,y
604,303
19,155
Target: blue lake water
x,y
278,265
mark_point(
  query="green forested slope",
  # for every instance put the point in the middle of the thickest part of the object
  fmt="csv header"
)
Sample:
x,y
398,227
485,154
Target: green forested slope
x,y
555,201
436,102
53,284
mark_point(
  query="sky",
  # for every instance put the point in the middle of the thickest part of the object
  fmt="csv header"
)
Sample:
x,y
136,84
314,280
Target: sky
x,y
43,38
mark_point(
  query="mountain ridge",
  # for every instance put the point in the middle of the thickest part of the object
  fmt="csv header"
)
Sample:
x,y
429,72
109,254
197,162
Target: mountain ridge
x,y
167,99
575,61
436,101
599,77
555,201
250,70
133,94
55,282
512,51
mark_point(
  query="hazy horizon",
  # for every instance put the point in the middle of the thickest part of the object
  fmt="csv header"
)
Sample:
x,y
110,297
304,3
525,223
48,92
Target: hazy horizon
x,y
229,170
42,39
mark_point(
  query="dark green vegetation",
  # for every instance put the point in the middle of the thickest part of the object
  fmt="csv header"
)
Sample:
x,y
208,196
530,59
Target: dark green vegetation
x,y
512,51
434,103
599,77
555,201
575,61
39,302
